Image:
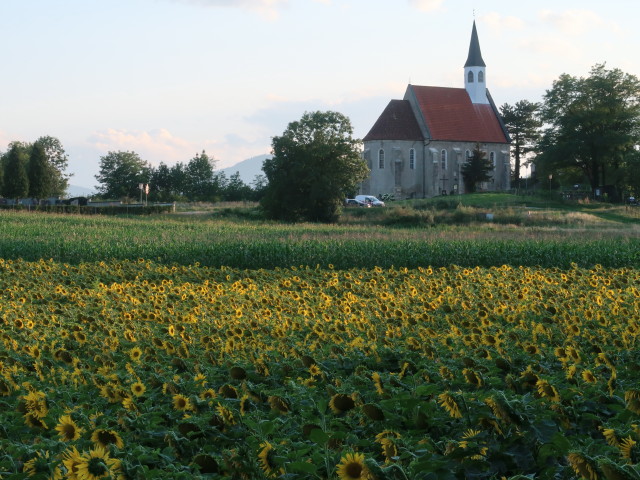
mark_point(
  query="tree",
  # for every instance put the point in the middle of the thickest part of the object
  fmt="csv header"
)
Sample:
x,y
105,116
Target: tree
x,y
523,124
476,169
259,186
235,189
315,162
161,184
592,125
16,181
121,173
200,180
39,172
58,162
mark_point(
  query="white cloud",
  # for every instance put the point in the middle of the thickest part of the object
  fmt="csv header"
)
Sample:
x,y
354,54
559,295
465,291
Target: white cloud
x,y
153,146
497,23
577,22
426,5
267,8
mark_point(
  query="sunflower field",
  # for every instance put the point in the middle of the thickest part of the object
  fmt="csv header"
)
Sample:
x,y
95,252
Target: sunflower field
x,y
140,369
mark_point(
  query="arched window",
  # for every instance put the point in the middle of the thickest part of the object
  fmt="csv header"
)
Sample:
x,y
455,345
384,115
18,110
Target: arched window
x,y
412,158
443,160
480,76
467,154
470,77
492,157
381,158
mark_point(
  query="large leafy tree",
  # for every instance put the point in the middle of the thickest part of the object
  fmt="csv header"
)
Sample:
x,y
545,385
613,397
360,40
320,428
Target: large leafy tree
x,y
592,125
315,162
523,124
161,184
58,163
16,181
121,173
201,183
39,172
476,169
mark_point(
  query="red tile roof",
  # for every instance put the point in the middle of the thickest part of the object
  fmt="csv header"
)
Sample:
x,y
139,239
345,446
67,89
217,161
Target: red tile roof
x,y
450,115
397,122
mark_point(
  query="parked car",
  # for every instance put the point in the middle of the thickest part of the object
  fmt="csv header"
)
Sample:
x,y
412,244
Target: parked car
x,y
352,202
371,200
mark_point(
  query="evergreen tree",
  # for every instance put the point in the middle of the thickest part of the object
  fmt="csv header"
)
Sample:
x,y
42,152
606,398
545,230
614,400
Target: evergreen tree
x,y
16,181
476,169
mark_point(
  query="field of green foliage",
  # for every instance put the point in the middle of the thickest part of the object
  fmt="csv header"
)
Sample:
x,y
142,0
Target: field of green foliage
x,y
212,241
208,346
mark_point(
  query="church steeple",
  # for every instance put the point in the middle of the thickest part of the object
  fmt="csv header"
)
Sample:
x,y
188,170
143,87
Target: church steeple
x,y
475,75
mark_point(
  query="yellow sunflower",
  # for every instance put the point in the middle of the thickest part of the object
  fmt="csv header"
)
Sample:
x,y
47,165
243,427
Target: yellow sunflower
x,y
341,403
449,404
265,457
43,467
135,354
182,403
626,448
97,464
71,459
67,429
583,466
138,389
103,438
352,467
278,404
545,389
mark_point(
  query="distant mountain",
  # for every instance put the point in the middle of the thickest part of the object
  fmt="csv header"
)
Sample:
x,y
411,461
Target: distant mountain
x,y
248,168
76,191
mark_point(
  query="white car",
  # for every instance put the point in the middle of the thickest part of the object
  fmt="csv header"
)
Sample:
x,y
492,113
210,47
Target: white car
x,y
371,200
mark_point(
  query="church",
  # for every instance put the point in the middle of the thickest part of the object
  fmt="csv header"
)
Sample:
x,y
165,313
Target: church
x,y
418,145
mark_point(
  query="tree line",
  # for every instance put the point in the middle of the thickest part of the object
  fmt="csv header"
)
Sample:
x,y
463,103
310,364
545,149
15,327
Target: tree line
x,y
124,175
34,170
586,130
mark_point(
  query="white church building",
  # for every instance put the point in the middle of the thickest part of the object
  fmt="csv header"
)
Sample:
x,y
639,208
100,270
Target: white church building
x,y
418,145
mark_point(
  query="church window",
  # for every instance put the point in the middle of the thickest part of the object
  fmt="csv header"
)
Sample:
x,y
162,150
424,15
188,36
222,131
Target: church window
x,y
468,154
443,159
470,77
381,158
412,158
480,76
492,157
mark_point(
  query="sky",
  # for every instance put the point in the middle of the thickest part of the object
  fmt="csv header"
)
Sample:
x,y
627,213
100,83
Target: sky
x,y
168,79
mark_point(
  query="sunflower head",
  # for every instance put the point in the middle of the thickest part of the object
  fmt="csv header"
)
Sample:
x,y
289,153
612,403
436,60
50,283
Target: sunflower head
x,y
42,466
67,429
341,403
98,464
267,464
102,438
352,467
582,465
181,403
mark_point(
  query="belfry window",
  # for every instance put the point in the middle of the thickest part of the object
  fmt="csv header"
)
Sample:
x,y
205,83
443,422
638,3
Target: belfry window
x,y
480,76
470,77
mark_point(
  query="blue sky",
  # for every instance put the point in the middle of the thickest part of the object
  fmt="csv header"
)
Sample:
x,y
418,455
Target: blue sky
x,y
170,78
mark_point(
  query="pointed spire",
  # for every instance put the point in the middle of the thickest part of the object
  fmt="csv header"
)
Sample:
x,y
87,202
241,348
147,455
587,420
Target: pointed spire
x,y
475,56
